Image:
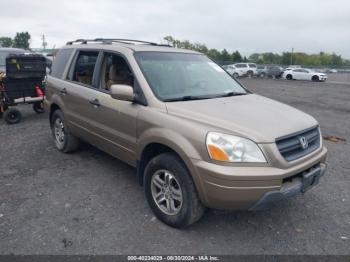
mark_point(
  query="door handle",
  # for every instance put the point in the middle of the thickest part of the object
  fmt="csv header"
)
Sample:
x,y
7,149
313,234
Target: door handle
x,y
64,91
95,102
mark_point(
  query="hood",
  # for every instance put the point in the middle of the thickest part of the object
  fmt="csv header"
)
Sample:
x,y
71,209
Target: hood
x,y
252,116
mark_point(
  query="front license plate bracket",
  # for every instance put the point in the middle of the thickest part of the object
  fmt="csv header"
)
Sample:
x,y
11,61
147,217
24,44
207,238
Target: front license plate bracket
x,y
310,179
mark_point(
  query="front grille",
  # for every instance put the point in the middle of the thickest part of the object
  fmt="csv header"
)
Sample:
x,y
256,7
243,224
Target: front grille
x,y
291,146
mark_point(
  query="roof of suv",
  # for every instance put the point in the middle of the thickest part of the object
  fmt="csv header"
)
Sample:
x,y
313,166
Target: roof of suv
x,y
134,45
10,49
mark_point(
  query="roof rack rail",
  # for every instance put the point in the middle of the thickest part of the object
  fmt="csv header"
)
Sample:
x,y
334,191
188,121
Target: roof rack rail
x,y
127,41
114,40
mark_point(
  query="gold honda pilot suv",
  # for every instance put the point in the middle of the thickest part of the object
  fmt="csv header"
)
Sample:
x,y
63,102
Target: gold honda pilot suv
x,y
196,136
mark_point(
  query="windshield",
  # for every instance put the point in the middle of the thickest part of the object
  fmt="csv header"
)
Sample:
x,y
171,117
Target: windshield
x,y
182,76
4,54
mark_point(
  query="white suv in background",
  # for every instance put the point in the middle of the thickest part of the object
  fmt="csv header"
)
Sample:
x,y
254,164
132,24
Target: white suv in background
x,y
232,70
246,69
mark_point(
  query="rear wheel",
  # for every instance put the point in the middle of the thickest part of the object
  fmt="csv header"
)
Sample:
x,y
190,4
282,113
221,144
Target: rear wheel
x,y
235,75
12,116
170,191
38,107
315,78
64,140
289,77
262,75
250,73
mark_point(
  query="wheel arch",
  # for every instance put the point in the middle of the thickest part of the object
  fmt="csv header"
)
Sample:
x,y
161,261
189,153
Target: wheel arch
x,y
53,108
157,141
315,77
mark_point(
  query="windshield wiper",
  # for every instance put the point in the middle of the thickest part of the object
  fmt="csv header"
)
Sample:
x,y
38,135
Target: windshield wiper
x,y
186,98
231,94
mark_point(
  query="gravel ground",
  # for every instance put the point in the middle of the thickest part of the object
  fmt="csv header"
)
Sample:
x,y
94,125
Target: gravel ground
x,y
90,203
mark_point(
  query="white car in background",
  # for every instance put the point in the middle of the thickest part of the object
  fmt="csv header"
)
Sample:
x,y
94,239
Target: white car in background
x,y
232,70
246,69
303,74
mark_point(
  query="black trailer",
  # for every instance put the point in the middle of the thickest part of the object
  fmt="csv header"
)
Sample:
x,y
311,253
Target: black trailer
x,y
22,84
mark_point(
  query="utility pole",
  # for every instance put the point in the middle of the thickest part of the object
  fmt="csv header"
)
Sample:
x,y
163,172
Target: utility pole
x,y
291,57
44,43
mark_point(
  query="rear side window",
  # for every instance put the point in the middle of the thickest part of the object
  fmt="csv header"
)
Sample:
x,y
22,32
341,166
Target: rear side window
x,y
84,67
3,58
60,62
252,65
241,65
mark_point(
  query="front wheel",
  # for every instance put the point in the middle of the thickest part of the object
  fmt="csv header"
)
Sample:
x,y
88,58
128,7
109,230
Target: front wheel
x,y
64,140
38,107
315,78
170,191
289,77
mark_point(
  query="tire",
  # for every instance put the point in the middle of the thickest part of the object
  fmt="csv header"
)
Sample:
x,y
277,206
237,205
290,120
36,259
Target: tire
x,y
315,79
235,75
262,75
38,107
12,116
64,140
178,189
250,73
289,77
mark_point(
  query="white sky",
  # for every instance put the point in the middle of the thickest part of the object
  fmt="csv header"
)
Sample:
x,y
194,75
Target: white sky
x,y
245,25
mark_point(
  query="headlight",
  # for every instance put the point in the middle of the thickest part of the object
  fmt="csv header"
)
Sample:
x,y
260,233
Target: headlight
x,y
229,148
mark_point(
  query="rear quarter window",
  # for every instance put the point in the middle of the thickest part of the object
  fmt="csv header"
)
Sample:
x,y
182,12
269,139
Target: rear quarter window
x,y
60,62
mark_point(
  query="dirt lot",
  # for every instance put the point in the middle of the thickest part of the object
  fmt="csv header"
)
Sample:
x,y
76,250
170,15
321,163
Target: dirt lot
x,y
90,203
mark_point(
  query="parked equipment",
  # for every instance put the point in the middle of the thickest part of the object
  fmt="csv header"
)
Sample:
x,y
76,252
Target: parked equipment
x,y
22,84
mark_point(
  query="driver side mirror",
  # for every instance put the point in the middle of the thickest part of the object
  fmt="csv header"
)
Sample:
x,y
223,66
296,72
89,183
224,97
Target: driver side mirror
x,y
122,92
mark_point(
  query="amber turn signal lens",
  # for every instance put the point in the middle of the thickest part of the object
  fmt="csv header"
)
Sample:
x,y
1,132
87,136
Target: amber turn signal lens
x,y
217,154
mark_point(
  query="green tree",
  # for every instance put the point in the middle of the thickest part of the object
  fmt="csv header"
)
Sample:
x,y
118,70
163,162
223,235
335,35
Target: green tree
x,y
254,57
214,54
6,41
21,40
225,56
236,57
297,58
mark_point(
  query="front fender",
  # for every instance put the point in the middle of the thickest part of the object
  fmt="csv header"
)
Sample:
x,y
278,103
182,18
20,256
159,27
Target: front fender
x,y
169,138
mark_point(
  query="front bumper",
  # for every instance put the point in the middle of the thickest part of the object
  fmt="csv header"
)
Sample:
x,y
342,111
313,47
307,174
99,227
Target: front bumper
x,y
252,187
295,186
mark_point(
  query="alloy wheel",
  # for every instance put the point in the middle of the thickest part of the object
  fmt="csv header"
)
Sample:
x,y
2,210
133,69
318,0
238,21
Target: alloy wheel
x,y
166,192
59,132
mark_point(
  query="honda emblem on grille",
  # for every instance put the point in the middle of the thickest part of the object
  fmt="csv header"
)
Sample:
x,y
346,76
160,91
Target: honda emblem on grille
x,y
303,142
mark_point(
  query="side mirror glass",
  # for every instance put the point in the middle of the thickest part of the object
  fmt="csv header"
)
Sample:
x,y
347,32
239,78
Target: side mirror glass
x,y
122,92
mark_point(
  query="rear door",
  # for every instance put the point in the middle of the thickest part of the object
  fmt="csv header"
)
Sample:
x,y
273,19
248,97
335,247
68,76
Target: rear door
x,y
297,74
79,93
